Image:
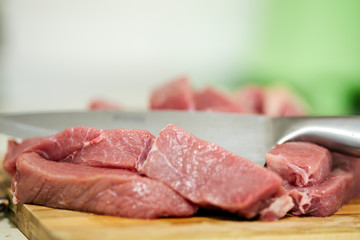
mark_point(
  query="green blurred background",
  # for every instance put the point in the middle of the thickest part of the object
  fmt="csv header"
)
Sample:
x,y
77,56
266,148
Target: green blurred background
x,y
312,46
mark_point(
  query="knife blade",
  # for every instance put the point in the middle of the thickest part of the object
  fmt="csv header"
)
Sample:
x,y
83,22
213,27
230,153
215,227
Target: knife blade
x,y
242,134
250,136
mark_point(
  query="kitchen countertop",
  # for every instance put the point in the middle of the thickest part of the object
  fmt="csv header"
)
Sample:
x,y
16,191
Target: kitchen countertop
x,y
8,230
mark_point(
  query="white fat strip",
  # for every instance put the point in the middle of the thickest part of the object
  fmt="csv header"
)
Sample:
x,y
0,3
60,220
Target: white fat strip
x,y
105,154
85,143
305,202
95,140
112,145
42,153
301,172
72,133
142,149
70,157
81,156
51,138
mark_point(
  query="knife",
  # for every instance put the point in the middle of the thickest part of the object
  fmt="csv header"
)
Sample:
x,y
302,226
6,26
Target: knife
x,y
250,136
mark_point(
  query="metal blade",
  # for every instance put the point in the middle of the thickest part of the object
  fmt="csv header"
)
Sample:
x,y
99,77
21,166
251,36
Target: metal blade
x,y
337,133
245,135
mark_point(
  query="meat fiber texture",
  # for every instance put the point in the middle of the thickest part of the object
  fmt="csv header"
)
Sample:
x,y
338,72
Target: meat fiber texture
x,y
300,163
118,148
98,190
214,178
326,197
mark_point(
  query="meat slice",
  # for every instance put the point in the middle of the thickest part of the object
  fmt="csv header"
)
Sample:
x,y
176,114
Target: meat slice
x,y
210,99
14,149
327,198
120,148
210,176
300,163
99,190
56,147
175,95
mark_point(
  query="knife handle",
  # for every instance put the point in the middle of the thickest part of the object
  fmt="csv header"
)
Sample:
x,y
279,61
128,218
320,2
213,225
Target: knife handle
x,y
340,134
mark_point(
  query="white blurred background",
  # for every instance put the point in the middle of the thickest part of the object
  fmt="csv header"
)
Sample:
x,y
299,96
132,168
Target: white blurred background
x,y
57,55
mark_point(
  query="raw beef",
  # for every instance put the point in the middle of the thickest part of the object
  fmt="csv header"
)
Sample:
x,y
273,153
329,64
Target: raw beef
x,y
210,99
326,198
98,190
212,177
251,98
118,148
300,163
281,102
103,104
277,206
14,149
176,95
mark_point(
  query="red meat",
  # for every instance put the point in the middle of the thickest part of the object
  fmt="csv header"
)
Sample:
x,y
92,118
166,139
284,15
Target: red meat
x,y
212,177
300,163
210,99
114,192
119,148
175,95
327,198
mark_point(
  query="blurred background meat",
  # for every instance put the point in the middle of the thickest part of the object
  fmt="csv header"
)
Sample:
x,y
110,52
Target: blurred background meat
x,y
103,104
175,95
252,98
179,95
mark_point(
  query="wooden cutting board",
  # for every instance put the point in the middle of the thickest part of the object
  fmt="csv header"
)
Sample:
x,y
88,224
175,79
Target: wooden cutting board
x,y
38,222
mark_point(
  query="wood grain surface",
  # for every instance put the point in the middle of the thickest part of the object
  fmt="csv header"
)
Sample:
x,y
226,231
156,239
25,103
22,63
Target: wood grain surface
x,y
39,222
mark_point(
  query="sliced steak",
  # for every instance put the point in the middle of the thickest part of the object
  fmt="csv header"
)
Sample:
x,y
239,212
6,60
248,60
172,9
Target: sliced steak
x,y
99,190
175,95
327,198
210,176
300,163
119,148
